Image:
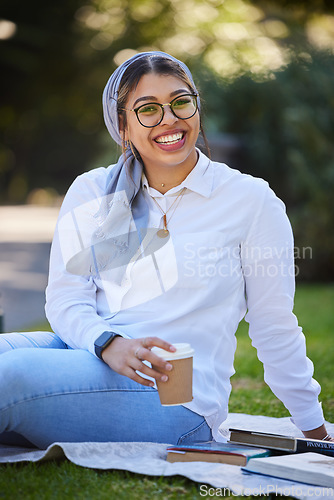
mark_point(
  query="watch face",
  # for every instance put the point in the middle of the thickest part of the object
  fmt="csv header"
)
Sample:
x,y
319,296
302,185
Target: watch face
x,y
104,338
103,341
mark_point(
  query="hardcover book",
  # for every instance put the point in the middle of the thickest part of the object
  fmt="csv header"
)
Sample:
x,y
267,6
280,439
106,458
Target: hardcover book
x,y
212,451
310,468
281,443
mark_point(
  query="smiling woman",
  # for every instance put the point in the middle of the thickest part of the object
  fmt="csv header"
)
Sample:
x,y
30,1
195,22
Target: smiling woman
x,y
167,148
166,247
158,94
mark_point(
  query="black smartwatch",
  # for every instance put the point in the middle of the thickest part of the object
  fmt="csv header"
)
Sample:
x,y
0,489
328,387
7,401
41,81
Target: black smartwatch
x,y
103,341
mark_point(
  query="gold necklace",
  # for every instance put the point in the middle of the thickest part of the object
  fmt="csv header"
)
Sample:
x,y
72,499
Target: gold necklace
x,y
163,233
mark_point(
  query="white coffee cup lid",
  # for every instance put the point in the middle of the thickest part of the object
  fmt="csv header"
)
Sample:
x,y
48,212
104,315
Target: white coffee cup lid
x,y
182,351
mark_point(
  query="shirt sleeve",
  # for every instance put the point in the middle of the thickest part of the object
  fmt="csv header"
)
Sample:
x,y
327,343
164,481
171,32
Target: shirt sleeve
x,y
268,265
71,306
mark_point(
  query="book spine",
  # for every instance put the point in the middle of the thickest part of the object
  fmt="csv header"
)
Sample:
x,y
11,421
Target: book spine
x,y
323,447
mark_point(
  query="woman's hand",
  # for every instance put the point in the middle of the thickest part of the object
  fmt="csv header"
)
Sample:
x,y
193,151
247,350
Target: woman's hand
x,y
319,433
125,356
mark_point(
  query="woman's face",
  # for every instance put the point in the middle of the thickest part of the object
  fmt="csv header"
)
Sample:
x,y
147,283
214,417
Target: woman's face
x,y
172,142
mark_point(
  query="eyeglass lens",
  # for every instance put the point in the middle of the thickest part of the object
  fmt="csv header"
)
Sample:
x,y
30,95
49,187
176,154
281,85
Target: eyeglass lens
x,y
183,107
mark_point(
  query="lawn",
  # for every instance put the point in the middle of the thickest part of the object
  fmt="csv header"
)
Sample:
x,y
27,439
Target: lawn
x,y
64,480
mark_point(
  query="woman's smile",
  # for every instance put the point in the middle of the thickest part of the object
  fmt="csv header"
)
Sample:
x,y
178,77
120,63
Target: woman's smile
x,y
171,140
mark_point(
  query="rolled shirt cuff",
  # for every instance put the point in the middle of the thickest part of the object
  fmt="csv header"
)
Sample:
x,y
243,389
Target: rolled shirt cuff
x,y
309,420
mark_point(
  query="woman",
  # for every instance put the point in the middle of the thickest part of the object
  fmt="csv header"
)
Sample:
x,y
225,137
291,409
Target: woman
x,y
164,247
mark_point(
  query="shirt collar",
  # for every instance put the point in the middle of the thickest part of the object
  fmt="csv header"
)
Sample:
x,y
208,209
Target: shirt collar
x,y
199,180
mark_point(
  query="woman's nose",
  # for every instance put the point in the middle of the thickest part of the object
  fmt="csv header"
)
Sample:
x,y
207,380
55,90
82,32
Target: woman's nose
x,y
168,117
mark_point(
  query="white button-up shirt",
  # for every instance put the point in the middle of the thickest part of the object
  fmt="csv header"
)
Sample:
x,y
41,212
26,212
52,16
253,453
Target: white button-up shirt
x,y
229,254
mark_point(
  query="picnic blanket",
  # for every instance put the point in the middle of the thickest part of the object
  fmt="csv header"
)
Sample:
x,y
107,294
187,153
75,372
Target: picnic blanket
x,y
150,459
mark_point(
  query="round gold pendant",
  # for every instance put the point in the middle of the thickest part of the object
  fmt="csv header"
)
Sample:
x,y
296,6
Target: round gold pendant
x,y
163,233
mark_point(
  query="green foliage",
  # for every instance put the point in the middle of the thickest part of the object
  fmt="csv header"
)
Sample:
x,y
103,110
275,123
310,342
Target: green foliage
x,y
50,105
286,125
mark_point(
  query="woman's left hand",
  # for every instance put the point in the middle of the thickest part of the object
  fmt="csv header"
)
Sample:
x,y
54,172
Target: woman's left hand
x,y
319,433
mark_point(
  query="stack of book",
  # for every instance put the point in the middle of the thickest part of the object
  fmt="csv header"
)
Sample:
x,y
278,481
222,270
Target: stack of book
x,y
305,460
280,443
299,459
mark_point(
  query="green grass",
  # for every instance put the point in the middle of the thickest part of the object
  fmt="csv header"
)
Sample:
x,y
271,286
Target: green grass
x,y
64,480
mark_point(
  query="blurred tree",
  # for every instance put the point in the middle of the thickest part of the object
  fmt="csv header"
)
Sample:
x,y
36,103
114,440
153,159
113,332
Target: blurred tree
x,y
50,109
287,126
57,57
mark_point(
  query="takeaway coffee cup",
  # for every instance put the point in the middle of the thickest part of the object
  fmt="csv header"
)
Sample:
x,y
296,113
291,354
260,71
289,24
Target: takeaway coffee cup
x,y
178,388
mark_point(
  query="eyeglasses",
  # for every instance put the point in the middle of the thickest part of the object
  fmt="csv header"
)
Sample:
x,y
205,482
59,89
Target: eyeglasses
x,y
151,114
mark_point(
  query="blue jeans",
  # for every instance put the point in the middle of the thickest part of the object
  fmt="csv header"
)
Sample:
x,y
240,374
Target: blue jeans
x,y
66,395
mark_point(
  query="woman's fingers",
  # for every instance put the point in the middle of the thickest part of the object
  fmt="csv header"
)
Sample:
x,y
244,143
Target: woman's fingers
x,y
127,356
153,372
150,342
133,375
159,366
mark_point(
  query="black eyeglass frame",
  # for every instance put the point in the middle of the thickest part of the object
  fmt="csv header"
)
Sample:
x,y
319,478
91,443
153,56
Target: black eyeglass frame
x,y
162,109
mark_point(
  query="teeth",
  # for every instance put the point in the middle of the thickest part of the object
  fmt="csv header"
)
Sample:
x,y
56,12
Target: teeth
x,y
170,139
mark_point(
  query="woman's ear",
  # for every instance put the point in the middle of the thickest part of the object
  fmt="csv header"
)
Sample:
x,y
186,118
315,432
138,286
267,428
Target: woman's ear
x,y
123,130
120,122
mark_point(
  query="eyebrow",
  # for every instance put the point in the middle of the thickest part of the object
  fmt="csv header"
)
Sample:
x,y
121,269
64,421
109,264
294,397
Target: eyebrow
x,y
152,98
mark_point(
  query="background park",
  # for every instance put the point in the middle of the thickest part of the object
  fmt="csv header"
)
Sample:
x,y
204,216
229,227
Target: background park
x,y
266,74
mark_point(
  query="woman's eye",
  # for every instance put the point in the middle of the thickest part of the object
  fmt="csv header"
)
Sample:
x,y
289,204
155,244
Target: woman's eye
x,y
148,110
182,102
